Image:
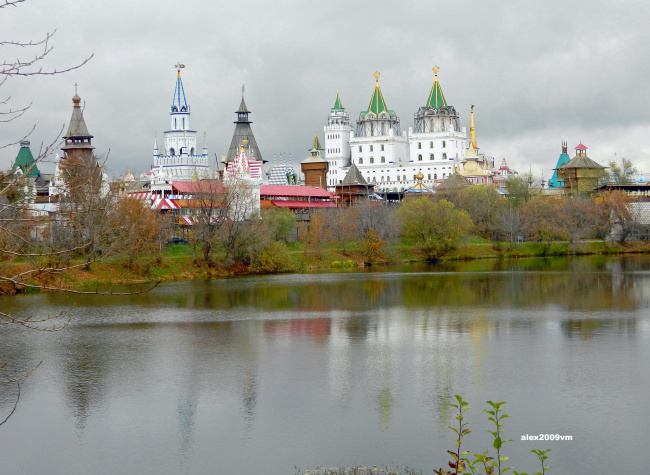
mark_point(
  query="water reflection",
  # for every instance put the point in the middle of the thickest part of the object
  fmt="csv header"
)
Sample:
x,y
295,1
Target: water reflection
x,y
267,369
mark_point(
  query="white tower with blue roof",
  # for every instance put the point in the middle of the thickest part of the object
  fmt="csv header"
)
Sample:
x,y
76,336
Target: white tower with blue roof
x,y
180,159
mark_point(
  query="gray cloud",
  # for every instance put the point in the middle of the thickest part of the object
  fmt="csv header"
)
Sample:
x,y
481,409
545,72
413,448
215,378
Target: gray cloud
x,y
538,72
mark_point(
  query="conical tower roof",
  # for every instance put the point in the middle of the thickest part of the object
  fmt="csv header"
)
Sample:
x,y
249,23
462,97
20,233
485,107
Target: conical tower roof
x,y
453,182
179,103
77,126
562,159
354,177
377,103
337,102
315,152
25,160
77,135
436,97
243,131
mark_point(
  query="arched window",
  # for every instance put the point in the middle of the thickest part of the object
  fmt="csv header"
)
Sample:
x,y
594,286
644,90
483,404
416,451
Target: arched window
x,y
382,148
429,177
419,145
360,161
371,148
431,156
383,159
444,144
435,176
183,122
372,159
404,178
419,158
382,178
172,151
444,156
192,151
360,148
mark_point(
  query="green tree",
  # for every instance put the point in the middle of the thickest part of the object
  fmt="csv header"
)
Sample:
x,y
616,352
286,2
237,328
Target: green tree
x,y
520,189
281,222
435,227
621,173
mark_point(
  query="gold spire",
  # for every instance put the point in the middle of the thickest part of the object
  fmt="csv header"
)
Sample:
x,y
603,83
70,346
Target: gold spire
x,y
435,71
472,130
377,74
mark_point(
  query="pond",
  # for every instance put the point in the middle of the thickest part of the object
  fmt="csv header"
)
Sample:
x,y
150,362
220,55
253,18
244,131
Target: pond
x,y
260,374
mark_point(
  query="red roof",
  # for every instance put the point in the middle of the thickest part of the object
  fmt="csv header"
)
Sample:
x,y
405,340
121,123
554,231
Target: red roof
x,y
295,191
303,204
198,187
581,147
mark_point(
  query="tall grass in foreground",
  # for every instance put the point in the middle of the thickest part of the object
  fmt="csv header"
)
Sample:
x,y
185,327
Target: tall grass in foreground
x,y
488,463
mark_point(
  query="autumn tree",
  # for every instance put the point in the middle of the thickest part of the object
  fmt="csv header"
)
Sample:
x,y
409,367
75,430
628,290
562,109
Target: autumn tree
x,y
543,220
372,247
436,228
341,226
137,229
484,204
619,220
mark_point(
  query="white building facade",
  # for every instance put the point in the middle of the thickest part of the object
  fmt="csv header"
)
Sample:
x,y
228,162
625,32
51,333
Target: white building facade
x,y
391,159
337,143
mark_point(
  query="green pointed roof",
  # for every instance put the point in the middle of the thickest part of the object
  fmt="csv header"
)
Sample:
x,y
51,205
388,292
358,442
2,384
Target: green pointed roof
x,y
337,102
377,103
316,145
25,160
436,97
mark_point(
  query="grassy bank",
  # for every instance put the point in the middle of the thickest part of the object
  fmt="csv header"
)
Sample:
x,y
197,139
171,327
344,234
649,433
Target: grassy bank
x,y
177,261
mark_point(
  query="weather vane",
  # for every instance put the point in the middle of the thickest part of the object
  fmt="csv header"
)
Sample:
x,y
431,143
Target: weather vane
x,y
179,66
243,87
435,70
75,87
377,74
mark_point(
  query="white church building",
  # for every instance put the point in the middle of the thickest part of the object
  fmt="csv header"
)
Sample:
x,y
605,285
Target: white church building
x,y
387,157
180,159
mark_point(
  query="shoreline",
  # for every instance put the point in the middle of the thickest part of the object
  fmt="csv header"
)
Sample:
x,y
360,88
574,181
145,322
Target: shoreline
x,y
178,264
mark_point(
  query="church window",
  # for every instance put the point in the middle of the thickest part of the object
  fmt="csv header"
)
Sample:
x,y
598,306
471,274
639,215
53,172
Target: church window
x,y
383,159
172,151
435,176
414,177
444,156
444,144
419,145
360,161
174,123
382,178
419,158
431,156
183,122
382,148
360,148
404,178
192,151
429,176
431,144
374,179
371,148
372,159
443,175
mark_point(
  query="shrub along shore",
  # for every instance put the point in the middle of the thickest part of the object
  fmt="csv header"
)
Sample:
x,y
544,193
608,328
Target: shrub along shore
x,y
178,262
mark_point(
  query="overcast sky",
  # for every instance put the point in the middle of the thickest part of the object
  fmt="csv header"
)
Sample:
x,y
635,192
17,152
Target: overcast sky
x,y
537,72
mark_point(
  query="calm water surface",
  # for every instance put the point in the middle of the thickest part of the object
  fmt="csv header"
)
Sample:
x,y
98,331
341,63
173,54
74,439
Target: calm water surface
x,y
258,374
